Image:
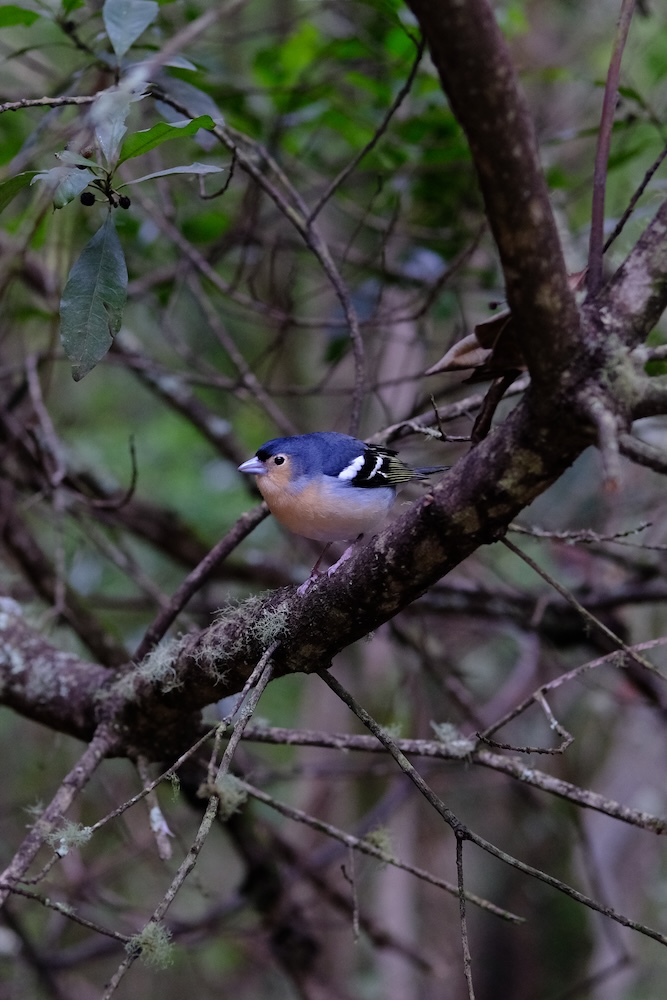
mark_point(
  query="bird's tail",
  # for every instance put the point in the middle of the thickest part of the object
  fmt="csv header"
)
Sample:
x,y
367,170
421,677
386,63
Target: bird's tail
x,y
430,470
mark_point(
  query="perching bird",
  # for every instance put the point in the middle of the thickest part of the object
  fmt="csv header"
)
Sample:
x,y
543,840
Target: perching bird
x,y
327,486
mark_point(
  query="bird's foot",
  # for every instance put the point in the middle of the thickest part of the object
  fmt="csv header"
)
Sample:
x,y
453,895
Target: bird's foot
x,y
339,562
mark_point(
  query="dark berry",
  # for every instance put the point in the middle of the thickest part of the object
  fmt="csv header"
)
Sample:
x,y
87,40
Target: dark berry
x,y
87,198
124,201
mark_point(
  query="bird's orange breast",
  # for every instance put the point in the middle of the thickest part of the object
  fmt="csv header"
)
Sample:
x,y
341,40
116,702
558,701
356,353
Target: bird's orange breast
x,y
324,512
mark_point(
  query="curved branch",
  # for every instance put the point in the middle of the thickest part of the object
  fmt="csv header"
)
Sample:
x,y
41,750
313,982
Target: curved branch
x,y
603,146
155,705
471,506
196,579
643,453
605,423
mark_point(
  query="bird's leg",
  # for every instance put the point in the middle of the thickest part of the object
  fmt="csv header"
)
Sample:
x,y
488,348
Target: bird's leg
x,y
315,571
345,556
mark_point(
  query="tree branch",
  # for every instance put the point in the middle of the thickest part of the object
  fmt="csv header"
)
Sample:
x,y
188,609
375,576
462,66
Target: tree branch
x,y
98,748
643,453
43,683
603,146
439,750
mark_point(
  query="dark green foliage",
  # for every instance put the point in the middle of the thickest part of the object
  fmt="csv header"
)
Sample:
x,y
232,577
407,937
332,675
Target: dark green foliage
x,y
91,308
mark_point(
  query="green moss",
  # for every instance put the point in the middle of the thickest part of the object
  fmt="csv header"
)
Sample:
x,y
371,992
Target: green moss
x,y
153,945
68,836
455,742
271,625
230,613
231,795
380,839
261,629
158,667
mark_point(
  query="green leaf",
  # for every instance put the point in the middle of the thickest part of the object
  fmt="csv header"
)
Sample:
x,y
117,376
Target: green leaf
x,y
12,14
91,308
66,183
191,168
108,115
11,187
143,142
72,159
654,368
283,64
180,62
298,51
126,20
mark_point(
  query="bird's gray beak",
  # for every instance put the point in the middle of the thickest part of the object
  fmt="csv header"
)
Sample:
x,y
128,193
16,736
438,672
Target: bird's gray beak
x,y
254,467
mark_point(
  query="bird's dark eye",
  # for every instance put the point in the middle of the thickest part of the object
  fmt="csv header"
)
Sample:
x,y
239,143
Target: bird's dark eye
x,y
279,459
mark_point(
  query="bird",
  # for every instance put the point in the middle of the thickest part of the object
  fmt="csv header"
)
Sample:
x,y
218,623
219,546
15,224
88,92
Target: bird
x,y
329,487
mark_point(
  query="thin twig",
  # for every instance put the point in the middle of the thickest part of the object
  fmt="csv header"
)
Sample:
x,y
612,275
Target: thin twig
x,y
587,615
205,826
66,910
365,846
49,102
607,439
379,132
351,878
620,225
98,748
158,823
378,935
467,960
595,248
196,579
583,536
118,502
452,411
611,659
171,771
247,377
509,766
261,166
554,724
256,683
460,830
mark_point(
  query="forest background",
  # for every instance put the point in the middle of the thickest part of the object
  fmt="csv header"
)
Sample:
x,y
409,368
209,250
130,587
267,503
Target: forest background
x,y
223,223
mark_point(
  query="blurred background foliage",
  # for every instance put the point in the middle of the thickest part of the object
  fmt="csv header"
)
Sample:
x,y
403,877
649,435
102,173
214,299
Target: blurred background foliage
x,y
233,333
